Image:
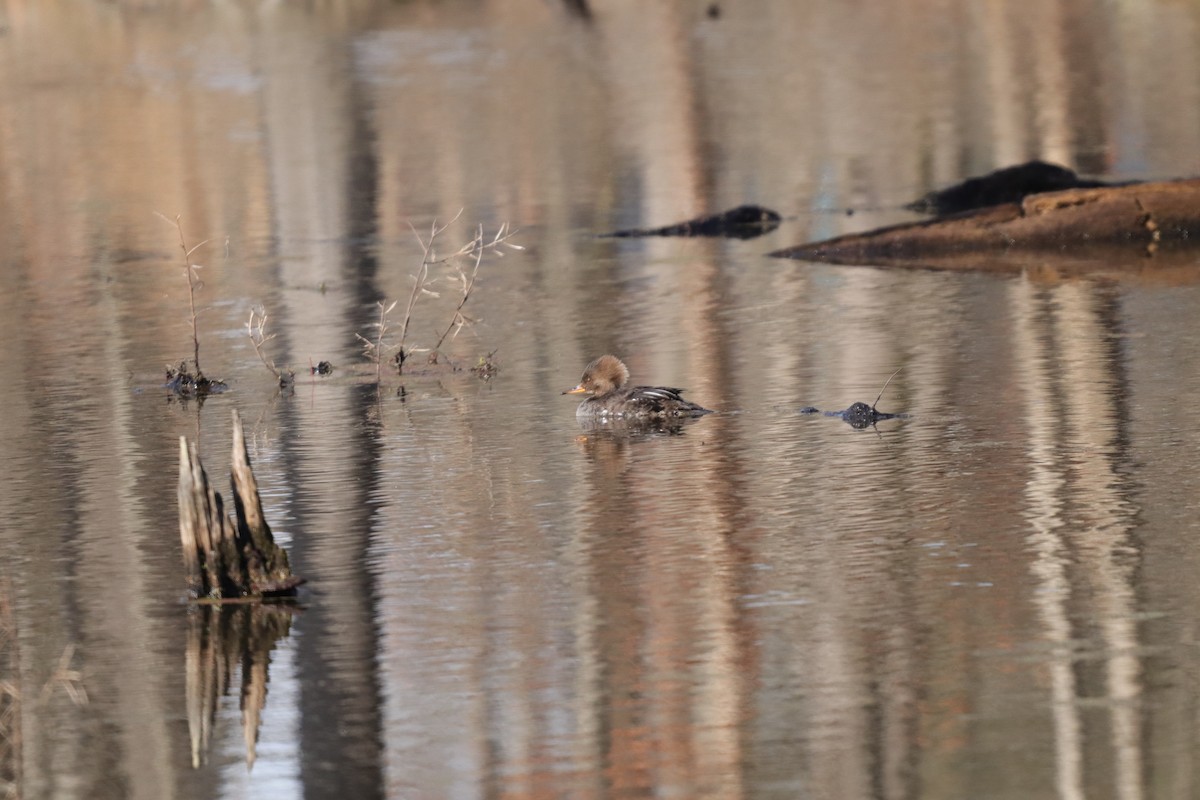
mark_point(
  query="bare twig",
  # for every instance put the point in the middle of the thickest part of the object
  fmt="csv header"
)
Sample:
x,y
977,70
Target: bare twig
x,y
256,329
194,282
474,250
71,680
421,282
376,350
885,385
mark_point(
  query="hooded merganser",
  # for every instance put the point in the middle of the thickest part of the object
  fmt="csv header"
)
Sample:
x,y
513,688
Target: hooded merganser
x,y
605,378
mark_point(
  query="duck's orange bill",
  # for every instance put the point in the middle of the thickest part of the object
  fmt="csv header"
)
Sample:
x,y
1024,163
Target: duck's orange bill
x,y
577,390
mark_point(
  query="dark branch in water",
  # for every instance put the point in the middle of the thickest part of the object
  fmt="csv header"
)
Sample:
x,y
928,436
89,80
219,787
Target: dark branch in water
x,y
743,222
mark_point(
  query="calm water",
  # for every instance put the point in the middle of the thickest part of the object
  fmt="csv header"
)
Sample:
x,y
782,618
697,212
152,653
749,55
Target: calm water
x,y
996,597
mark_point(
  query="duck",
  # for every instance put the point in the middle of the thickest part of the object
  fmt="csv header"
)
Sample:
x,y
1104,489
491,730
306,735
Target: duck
x,y
605,381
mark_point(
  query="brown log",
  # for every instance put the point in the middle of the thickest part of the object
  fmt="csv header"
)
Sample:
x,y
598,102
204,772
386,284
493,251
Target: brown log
x,y
1097,227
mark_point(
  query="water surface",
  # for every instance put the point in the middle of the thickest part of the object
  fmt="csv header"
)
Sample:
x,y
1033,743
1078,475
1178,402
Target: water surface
x,y
992,598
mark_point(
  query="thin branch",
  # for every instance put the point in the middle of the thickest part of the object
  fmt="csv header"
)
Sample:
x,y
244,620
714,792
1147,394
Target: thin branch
x,y
377,349
194,282
885,385
256,329
473,250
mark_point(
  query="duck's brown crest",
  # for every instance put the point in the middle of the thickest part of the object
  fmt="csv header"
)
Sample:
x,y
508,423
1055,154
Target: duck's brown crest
x,y
607,369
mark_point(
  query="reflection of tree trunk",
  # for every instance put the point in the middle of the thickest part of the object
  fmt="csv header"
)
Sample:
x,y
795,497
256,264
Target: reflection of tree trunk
x,y
220,637
1081,522
323,174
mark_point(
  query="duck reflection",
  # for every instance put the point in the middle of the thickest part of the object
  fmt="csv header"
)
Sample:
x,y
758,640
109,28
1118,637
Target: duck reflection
x,y
608,441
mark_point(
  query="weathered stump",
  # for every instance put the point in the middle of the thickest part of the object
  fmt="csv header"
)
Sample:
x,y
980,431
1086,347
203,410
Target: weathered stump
x,y
225,558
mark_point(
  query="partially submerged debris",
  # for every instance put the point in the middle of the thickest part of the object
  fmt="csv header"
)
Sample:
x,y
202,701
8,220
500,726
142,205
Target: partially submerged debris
x,y
185,383
486,368
743,222
1077,227
228,558
859,415
1007,185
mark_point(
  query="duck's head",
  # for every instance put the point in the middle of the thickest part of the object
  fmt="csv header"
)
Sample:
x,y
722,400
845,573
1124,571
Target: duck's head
x,y
602,376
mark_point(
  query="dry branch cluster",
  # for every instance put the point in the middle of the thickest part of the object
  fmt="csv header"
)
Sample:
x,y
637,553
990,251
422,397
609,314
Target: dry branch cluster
x,y
462,269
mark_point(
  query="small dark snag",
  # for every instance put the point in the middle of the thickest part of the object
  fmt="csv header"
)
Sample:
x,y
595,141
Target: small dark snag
x,y
487,367
860,415
183,382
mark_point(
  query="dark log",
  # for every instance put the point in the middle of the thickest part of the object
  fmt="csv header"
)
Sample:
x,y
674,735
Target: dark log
x,y
743,222
227,559
1007,185
1076,228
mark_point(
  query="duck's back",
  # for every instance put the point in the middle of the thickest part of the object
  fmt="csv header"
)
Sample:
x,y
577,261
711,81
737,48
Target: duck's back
x,y
641,401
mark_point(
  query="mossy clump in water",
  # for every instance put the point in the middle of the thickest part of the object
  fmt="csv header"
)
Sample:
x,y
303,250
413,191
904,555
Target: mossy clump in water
x,y
487,367
183,382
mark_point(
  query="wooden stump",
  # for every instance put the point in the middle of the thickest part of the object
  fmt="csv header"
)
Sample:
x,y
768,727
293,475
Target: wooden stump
x,y
228,559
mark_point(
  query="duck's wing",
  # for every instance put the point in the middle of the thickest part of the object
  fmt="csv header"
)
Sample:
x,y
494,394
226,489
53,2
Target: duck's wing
x,y
665,400
659,393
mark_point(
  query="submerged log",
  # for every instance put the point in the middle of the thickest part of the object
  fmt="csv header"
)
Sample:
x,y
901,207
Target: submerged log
x,y
743,222
224,558
1096,225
